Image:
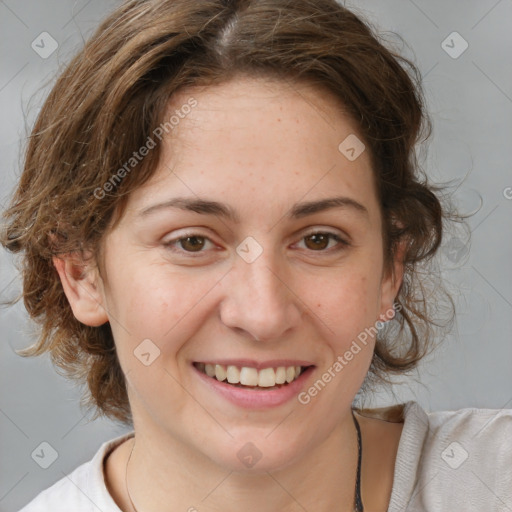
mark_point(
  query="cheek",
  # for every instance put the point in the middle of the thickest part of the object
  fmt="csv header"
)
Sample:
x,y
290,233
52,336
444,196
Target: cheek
x,y
155,304
348,305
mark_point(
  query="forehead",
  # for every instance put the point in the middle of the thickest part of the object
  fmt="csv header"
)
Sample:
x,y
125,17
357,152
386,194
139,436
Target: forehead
x,y
256,139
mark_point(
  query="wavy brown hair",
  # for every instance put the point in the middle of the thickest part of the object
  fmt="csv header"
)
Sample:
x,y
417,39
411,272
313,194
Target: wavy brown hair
x,y
113,95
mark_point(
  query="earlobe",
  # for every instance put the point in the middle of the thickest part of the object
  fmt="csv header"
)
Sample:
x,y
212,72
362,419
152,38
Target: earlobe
x,y
82,286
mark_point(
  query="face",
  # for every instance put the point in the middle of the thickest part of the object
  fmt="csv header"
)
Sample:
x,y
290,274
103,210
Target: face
x,y
252,269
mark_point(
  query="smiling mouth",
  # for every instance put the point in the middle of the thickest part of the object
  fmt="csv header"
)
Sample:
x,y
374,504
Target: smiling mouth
x,y
251,378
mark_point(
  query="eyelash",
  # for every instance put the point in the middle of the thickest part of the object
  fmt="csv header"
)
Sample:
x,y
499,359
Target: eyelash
x,y
171,243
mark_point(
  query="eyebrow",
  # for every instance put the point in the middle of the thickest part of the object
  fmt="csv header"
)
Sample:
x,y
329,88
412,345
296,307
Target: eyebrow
x,y
298,210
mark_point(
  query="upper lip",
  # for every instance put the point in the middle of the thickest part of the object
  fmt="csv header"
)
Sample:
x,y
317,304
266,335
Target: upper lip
x,y
252,363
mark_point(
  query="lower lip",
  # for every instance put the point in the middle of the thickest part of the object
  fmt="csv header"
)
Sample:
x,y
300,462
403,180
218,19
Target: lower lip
x,y
256,398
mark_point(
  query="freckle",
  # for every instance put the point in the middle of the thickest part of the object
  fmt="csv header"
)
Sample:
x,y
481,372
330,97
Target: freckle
x,y
318,305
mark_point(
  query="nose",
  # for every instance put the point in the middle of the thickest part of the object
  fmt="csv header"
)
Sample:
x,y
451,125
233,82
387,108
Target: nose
x,y
259,300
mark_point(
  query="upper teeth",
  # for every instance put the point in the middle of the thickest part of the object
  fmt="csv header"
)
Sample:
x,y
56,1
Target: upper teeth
x,y
267,377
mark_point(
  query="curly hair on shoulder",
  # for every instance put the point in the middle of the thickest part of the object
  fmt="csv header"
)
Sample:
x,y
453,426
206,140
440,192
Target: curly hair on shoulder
x,y
113,95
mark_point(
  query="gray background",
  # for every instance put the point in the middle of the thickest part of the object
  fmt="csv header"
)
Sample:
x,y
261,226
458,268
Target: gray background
x,y
470,99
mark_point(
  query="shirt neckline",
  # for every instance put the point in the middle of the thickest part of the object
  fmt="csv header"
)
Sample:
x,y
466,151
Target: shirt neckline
x,y
406,464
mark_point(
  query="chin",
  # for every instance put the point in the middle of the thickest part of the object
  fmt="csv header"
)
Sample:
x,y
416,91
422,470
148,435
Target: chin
x,y
257,454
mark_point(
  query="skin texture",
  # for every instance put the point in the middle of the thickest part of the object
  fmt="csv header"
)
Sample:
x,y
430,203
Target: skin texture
x,y
259,147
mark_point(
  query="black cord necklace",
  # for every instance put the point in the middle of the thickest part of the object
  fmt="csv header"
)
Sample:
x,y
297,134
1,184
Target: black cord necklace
x,y
358,501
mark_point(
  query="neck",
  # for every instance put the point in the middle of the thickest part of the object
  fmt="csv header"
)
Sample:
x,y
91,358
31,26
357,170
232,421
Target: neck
x,y
164,475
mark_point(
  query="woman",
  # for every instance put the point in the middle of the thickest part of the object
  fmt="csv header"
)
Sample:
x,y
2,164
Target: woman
x,y
223,227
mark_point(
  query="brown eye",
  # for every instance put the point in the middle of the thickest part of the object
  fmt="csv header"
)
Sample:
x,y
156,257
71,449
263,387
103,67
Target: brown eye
x,y
319,241
192,243
189,244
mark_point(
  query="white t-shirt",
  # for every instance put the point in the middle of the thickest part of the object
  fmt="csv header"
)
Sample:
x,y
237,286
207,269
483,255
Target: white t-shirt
x,y
456,461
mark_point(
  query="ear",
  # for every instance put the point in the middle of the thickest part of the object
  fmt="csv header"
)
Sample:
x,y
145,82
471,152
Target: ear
x,y
83,288
391,283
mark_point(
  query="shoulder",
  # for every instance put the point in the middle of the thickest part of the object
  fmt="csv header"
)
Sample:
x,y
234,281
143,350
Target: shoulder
x,y
83,490
478,436
446,458
66,490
